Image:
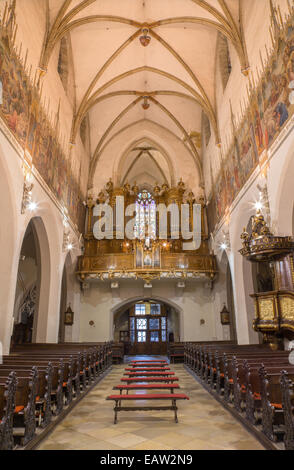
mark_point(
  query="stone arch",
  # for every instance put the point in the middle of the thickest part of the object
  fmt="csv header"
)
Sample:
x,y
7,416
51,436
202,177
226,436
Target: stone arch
x,y
153,132
8,240
119,163
43,275
47,224
66,296
126,302
223,292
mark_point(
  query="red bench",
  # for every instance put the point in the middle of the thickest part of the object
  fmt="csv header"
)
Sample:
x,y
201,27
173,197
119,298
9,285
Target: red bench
x,y
148,362
133,374
140,369
162,379
152,386
150,396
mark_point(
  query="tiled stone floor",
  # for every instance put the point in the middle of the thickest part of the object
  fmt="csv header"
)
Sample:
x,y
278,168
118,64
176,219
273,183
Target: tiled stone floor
x,y
203,423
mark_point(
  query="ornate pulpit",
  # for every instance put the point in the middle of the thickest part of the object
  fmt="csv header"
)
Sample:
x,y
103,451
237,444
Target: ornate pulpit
x,y
274,301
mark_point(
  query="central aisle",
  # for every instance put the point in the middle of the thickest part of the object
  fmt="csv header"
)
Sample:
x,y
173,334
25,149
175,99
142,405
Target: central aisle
x,y
203,423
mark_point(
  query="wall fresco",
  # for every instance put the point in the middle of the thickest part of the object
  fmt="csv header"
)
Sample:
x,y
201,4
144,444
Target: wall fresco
x,y
270,107
21,110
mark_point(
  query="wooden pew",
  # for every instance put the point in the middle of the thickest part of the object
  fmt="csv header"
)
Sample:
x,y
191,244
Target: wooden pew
x,y
176,352
7,409
47,376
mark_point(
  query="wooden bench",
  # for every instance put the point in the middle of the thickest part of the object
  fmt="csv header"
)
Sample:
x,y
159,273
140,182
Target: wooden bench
x,y
151,386
139,369
141,374
163,379
162,397
149,361
154,364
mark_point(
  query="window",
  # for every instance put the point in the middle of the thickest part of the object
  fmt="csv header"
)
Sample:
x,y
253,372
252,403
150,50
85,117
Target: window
x,y
155,309
141,323
145,223
154,337
147,324
141,335
154,324
140,309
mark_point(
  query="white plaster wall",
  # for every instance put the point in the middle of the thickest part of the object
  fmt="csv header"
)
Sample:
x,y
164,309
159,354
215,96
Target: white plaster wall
x,y
99,302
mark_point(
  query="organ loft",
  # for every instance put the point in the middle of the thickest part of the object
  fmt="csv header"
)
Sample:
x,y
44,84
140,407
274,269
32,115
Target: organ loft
x,y
147,218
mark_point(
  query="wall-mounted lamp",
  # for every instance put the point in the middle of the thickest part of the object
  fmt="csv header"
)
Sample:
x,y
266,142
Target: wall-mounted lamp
x,y
27,202
225,315
68,316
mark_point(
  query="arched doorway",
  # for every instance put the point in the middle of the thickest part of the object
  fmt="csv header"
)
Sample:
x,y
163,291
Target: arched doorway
x,y
146,327
230,303
27,288
33,282
66,298
223,291
63,302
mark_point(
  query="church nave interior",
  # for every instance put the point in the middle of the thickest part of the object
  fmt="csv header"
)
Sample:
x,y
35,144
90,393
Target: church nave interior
x,y
147,225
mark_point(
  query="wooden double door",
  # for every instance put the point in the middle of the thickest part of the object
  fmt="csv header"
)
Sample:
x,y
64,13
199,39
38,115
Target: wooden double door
x,y
148,334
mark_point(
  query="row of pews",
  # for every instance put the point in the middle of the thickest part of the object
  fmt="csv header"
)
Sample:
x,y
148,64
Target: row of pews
x,y
176,350
38,382
256,381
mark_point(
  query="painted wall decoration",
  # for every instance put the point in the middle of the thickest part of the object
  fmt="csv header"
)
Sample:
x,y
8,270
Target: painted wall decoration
x,y
270,107
22,112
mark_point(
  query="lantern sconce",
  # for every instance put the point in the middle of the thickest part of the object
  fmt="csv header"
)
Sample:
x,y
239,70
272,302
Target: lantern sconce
x,y
69,316
225,315
28,185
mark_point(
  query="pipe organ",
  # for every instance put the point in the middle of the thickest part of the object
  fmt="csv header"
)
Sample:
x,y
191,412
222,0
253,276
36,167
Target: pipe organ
x,y
147,254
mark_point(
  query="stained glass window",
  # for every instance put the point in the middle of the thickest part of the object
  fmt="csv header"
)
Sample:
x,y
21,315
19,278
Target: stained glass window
x,y
132,336
140,309
145,223
163,335
154,324
141,335
155,309
154,336
141,323
163,323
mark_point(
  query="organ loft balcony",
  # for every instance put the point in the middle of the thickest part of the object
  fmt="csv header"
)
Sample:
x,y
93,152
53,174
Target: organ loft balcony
x,y
145,234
